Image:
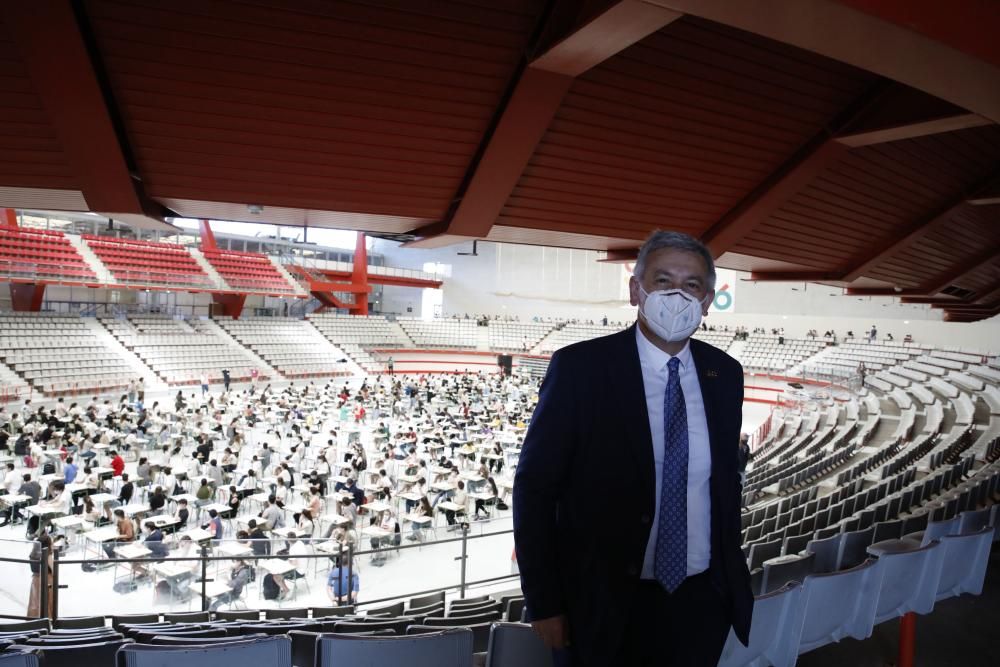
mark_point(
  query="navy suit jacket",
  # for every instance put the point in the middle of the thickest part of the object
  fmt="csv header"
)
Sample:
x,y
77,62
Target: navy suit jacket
x,y
584,490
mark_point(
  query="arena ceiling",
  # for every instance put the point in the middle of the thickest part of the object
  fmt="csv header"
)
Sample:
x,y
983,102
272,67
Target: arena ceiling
x,y
848,142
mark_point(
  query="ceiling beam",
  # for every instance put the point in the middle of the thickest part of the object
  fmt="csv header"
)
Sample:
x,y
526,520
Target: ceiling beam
x,y
48,37
620,256
916,231
950,123
882,291
933,64
790,178
792,276
964,269
533,103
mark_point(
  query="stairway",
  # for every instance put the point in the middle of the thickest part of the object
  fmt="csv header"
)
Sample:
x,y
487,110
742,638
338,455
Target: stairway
x,y
301,291
483,338
537,349
12,385
152,380
401,332
736,349
93,261
207,267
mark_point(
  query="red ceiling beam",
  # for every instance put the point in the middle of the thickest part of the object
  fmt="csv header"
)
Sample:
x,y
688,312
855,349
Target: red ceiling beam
x,y
964,269
620,256
790,178
950,123
9,218
48,39
792,276
533,104
916,231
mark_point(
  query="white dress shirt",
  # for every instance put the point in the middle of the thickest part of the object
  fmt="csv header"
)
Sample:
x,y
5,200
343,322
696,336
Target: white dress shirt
x,y
699,501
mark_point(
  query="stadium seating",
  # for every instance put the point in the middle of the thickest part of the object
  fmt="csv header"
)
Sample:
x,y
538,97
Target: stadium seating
x,y
60,354
517,336
447,648
272,651
40,254
178,351
136,262
574,333
765,352
248,271
448,333
291,346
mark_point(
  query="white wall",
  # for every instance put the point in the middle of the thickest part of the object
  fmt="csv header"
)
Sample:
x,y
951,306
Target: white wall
x,y
530,281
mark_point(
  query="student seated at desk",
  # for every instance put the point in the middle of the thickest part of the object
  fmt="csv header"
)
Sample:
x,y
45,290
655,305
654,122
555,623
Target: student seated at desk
x,y
157,499
205,493
460,498
142,470
423,508
239,575
273,514
126,533
388,523
259,542
491,488
90,511
182,513
157,549
59,498
214,525
296,548
233,501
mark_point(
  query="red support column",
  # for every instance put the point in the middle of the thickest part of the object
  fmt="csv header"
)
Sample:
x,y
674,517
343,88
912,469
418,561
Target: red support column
x,y
230,304
27,297
207,236
9,218
907,640
359,277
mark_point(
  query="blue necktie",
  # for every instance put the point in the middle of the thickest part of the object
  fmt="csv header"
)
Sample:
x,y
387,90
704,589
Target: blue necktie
x,y
670,567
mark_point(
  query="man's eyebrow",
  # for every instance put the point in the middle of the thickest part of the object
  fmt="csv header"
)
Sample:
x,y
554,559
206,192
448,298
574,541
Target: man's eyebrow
x,y
666,272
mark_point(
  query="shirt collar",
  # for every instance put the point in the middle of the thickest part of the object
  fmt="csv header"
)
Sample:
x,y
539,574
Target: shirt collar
x,y
656,357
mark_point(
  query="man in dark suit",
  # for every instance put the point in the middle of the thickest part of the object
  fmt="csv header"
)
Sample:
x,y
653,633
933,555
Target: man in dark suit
x,y
664,585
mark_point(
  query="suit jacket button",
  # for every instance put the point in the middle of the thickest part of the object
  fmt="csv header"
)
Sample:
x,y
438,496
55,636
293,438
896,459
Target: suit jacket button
x,y
632,570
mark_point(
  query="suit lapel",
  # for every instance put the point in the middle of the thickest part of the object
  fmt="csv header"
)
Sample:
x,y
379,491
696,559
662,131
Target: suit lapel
x,y
631,396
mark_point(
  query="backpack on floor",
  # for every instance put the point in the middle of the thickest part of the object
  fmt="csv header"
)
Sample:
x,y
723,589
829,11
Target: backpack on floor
x,y
49,469
125,586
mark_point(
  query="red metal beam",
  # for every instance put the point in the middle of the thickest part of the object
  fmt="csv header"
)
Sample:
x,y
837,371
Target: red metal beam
x,y
48,38
790,178
9,218
621,256
916,231
207,236
950,123
792,276
531,107
359,277
231,305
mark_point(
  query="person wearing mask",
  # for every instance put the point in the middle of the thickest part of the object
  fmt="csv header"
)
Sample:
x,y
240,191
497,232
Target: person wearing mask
x,y
214,525
460,498
69,470
490,488
205,493
296,549
259,541
142,470
183,514
381,545
675,413
157,549
423,508
157,500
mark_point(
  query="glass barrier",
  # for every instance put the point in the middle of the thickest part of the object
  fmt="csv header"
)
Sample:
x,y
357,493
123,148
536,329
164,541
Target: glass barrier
x,y
17,578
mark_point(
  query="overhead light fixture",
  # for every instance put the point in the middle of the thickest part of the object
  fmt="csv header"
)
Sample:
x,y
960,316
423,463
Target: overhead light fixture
x,y
906,321
255,209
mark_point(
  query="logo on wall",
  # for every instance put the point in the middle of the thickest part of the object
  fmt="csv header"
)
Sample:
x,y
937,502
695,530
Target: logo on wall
x,y
725,292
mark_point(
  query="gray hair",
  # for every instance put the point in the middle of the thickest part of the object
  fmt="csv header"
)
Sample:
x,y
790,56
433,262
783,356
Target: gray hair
x,y
660,239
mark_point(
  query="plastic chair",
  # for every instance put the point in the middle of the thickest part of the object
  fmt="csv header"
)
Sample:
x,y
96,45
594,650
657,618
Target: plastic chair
x,y
354,627
487,608
516,645
514,610
784,570
965,561
188,617
395,609
935,530
57,640
448,648
239,615
18,660
827,550
271,651
186,640
774,632
78,622
146,636
909,580
480,633
854,548
270,614
37,624
471,602
973,521
453,621
887,530
320,612
75,655
838,605
118,620
426,600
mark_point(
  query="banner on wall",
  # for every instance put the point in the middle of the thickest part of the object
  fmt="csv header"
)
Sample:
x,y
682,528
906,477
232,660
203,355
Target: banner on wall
x,y
725,289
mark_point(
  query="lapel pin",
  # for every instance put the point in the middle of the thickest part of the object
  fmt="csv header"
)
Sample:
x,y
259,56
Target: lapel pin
x,y
711,374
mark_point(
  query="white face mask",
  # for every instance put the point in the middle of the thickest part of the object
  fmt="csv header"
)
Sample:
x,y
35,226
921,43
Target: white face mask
x,y
673,315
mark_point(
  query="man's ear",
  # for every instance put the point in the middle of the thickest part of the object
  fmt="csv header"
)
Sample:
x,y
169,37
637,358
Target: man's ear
x,y
633,291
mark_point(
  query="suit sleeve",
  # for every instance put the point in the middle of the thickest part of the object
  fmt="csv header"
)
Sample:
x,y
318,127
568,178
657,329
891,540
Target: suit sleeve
x,y
538,484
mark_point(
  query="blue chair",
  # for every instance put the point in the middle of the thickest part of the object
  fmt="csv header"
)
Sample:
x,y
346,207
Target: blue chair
x,y
75,655
909,579
448,648
18,660
838,605
516,645
271,651
774,633
965,560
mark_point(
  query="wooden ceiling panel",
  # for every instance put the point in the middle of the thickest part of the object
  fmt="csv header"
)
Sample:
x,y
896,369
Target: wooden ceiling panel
x,y
403,90
674,131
